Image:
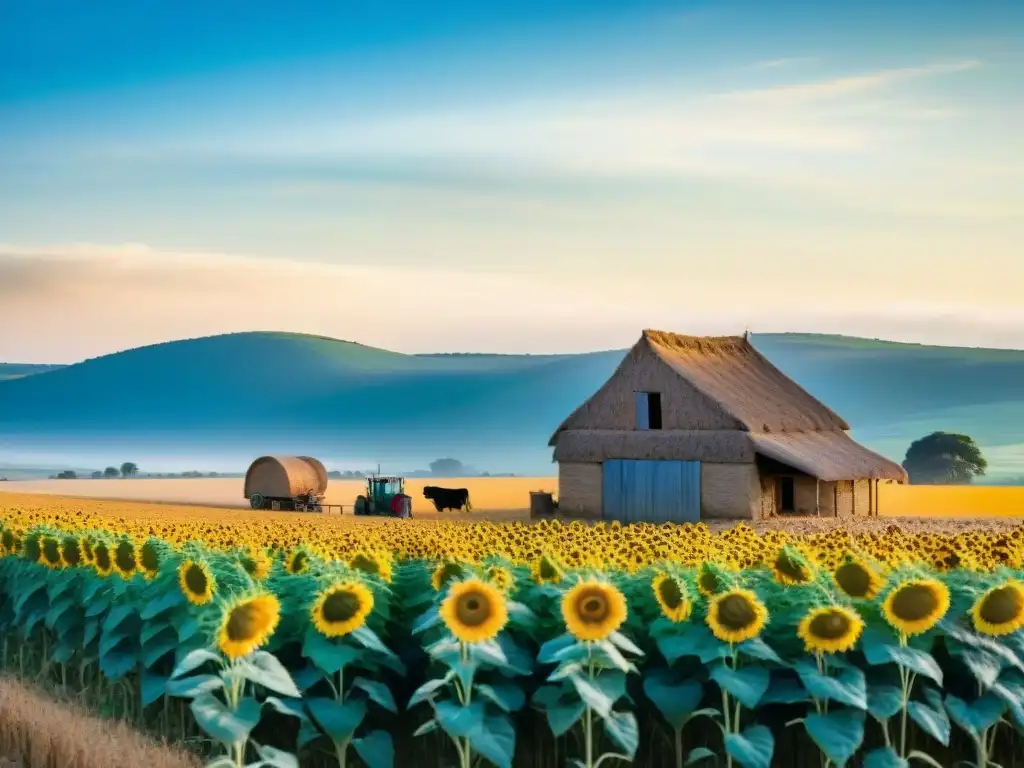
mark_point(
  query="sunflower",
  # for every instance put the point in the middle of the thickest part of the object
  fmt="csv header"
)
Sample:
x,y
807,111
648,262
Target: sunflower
x,y
593,609
474,611
374,564
70,551
49,552
85,547
196,581
32,550
1000,611
247,624
916,605
7,539
547,570
858,580
342,608
711,579
149,559
444,572
298,561
671,594
101,559
832,629
501,577
257,564
736,615
791,567
125,561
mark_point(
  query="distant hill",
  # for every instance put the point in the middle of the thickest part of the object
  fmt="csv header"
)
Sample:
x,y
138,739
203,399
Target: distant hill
x,y
17,370
257,392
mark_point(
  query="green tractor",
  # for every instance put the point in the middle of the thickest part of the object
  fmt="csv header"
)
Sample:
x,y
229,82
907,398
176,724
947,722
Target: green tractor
x,y
384,496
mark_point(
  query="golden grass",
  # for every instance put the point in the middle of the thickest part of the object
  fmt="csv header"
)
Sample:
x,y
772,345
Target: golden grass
x,y
488,494
46,733
946,501
504,498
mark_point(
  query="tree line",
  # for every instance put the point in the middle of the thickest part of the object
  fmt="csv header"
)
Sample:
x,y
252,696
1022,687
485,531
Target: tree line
x,y
128,469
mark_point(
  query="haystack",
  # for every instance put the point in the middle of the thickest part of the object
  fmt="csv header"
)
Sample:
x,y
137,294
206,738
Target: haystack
x,y
285,477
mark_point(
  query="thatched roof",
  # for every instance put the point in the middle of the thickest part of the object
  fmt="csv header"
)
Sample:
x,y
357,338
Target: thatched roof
x,y
758,410
732,373
285,477
828,456
739,380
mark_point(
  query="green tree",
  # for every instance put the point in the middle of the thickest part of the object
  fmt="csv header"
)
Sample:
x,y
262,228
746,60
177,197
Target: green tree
x,y
129,468
944,458
111,472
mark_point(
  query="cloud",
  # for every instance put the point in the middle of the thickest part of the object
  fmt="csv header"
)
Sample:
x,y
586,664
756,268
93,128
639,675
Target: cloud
x,y
802,93
791,61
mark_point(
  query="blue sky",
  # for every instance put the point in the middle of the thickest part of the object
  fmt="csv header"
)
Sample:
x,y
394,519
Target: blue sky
x,y
536,176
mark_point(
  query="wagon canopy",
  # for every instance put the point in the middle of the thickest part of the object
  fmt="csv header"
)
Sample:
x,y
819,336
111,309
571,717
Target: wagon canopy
x,y
285,477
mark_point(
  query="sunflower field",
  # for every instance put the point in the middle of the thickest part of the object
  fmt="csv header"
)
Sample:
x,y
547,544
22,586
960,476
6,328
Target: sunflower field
x,y
429,644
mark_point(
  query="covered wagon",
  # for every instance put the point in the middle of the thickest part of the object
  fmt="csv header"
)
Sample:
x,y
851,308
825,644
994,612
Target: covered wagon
x,y
286,482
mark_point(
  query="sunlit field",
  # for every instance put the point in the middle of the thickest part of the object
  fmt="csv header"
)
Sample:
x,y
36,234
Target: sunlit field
x,y
487,494
508,498
318,638
951,501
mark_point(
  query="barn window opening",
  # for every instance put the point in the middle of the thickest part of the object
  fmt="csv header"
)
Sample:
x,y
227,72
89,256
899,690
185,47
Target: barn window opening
x,y
648,410
787,494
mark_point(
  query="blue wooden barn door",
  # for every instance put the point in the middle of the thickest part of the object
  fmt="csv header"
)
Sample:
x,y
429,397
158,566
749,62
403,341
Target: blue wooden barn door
x,y
638,491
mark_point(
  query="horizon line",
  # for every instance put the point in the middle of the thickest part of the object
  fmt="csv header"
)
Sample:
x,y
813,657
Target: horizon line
x,y
267,332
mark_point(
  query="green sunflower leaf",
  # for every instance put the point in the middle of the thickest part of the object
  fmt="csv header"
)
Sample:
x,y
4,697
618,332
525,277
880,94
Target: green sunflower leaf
x,y
563,716
329,657
977,716
932,721
747,684
224,725
848,687
623,729
675,700
338,720
265,669
838,734
379,693
753,748
375,749
884,757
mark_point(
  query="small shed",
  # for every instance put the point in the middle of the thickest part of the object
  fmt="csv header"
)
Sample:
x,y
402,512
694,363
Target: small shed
x,y
285,477
691,427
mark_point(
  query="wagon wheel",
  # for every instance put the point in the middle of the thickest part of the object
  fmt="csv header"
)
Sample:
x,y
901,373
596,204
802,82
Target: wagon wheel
x,y
256,501
361,506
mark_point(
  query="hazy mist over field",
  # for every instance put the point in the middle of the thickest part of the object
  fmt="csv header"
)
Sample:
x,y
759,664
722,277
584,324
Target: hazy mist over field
x,y
213,404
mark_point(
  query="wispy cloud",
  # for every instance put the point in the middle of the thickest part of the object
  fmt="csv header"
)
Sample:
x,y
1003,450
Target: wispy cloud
x,y
838,87
791,61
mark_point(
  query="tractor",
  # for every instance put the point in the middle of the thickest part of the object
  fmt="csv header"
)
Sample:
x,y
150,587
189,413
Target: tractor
x,y
384,496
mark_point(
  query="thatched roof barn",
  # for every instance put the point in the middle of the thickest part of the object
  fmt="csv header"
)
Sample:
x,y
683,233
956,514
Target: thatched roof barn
x,y
285,477
690,427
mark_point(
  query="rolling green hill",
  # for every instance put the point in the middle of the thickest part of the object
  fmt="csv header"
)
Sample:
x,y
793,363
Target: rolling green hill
x,y
250,393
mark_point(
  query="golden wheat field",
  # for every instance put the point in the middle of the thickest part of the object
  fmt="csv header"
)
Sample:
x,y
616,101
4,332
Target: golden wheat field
x,y
505,498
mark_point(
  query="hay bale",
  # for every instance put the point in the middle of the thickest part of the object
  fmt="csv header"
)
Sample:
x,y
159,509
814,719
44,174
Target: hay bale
x,y
285,477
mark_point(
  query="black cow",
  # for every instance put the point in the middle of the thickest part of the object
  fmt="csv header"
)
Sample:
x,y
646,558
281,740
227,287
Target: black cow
x,y
448,498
